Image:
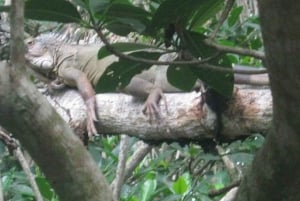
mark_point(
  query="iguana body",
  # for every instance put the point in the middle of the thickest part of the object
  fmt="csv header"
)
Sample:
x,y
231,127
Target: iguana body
x,y
78,66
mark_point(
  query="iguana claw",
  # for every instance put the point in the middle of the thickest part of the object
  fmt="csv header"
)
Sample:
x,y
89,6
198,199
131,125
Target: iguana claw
x,y
91,117
151,107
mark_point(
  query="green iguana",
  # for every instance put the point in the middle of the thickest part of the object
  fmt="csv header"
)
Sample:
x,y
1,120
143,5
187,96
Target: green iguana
x,y
78,66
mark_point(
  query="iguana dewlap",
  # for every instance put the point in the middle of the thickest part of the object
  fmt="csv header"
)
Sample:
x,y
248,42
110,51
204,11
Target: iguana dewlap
x,y
78,66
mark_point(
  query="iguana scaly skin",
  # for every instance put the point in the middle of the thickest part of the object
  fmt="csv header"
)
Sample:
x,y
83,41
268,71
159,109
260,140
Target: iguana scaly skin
x,y
78,66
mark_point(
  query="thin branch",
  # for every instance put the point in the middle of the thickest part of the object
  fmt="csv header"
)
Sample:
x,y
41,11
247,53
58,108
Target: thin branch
x,y
147,61
135,159
201,63
233,171
119,179
25,166
224,15
235,50
214,193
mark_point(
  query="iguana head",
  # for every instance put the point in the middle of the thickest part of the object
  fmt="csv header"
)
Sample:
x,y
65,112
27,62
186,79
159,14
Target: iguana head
x,y
41,52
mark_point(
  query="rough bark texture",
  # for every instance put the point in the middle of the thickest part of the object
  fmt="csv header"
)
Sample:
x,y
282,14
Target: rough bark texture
x,y
62,157
249,112
275,173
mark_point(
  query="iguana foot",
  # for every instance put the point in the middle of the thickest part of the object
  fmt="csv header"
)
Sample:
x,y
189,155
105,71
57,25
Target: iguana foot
x,y
91,117
151,107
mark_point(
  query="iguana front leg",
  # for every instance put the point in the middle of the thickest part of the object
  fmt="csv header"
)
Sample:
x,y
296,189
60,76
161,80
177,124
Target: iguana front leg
x,y
76,78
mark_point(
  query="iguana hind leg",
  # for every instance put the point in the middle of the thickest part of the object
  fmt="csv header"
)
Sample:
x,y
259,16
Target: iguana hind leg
x,y
143,88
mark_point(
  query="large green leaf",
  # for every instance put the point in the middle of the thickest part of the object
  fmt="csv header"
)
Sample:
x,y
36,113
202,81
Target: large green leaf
x,y
172,11
119,74
4,8
194,42
122,47
181,77
148,189
222,82
205,11
54,10
122,18
234,15
180,186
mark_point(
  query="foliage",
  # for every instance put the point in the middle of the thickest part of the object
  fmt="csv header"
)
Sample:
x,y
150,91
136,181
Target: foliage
x,y
168,173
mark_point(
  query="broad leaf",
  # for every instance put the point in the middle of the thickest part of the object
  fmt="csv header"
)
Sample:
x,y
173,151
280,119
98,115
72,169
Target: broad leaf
x,y
4,8
148,189
173,11
119,74
44,187
234,15
122,18
205,11
222,82
181,77
180,186
54,10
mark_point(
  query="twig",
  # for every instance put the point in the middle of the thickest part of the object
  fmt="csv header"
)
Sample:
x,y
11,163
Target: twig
x,y
229,164
213,193
200,63
235,50
224,15
136,158
13,146
119,179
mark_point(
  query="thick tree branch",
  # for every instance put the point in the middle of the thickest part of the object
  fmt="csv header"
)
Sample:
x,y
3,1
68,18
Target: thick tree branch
x,y
250,111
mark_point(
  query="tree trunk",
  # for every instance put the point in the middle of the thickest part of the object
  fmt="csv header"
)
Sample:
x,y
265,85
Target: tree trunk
x,y
27,114
275,172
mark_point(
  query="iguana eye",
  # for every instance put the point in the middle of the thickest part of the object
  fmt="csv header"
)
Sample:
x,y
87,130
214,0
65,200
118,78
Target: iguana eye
x,y
31,42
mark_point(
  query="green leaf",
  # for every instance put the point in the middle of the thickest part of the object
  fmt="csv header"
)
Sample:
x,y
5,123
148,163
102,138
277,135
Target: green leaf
x,y
119,28
121,18
54,10
122,47
174,11
99,7
148,189
4,8
222,82
205,11
234,15
194,42
124,26
44,187
121,10
180,186
181,77
119,74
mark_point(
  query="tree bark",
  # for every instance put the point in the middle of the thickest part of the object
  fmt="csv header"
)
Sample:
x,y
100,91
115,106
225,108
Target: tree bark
x,y
275,172
250,111
61,155
27,114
